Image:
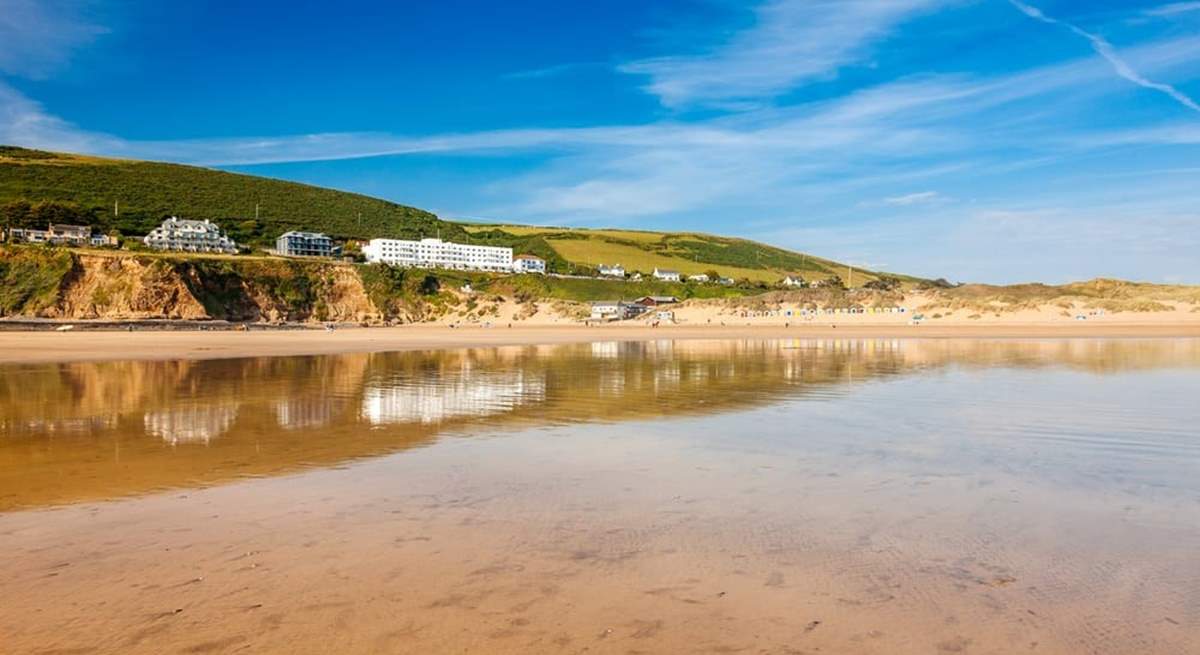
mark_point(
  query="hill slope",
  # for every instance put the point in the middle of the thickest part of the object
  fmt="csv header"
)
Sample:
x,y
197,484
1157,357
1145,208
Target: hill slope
x,y
687,252
148,191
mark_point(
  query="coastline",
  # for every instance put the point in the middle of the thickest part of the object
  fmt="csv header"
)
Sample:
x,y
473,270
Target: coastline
x,y
28,347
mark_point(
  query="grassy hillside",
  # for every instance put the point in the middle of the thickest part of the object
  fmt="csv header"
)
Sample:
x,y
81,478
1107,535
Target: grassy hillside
x,y
42,186
687,252
149,191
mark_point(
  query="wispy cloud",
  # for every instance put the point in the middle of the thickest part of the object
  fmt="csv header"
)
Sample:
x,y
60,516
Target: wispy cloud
x,y
792,42
25,122
1106,50
919,198
547,71
37,38
1173,9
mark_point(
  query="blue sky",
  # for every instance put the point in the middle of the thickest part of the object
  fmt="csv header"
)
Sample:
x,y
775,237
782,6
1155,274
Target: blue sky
x,y
980,140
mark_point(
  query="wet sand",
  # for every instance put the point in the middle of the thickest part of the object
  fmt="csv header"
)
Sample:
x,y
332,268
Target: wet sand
x,y
876,497
96,346
517,544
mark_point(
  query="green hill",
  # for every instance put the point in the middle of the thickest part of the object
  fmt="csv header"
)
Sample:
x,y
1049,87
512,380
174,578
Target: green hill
x,y
37,187
146,192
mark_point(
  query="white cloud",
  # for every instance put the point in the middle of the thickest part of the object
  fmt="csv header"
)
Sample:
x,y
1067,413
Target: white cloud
x,y
24,122
1106,50
792,42
919,198
1173,9
546,71
37,38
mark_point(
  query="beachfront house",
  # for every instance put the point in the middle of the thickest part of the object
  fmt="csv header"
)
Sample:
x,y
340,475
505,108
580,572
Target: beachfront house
x,y
616,310
793,281
435,253
667,275
306,244
190,236
606,310
700,277
616,270
655,301
529,264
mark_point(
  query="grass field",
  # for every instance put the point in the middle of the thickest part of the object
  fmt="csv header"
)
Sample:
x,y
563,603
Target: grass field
x,y
594,252
689,253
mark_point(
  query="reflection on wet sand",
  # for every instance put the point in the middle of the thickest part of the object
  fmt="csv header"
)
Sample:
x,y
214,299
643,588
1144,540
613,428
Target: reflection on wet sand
x,y
877,496
80,431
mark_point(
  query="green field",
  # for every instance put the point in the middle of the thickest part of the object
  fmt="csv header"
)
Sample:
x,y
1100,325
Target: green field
x,y
689,253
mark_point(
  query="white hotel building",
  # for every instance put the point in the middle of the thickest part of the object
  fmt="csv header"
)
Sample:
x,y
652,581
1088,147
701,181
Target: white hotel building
x,y
435,253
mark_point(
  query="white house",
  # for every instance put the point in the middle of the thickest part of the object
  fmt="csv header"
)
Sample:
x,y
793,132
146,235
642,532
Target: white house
x,y
667,275
793,281
529,264
616,270
190,236
701,277
615,310
435,253
726,281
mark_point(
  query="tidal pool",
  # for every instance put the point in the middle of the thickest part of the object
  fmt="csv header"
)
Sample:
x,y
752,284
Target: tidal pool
x,y
801,496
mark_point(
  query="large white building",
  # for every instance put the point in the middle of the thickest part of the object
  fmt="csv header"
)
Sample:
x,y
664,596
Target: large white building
x,y
435,253
190,236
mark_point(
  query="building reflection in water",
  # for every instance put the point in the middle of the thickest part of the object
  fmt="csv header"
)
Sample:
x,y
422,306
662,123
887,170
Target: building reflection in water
x,y
468,392
194,424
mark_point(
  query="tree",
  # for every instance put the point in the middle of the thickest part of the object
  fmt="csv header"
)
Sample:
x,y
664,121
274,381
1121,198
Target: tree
x,y
713,275
16,213
49,211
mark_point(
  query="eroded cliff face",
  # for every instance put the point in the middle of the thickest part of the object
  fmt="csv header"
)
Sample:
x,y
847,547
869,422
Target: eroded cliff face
x,y
120,286
124,288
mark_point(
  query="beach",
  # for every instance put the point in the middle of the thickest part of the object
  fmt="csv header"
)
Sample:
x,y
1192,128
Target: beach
x,y
882,496
98,345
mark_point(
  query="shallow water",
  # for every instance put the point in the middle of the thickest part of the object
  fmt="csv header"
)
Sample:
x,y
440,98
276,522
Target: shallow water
x,y
859,496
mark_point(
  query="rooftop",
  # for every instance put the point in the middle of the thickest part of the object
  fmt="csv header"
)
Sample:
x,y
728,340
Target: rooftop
x,y
306,235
